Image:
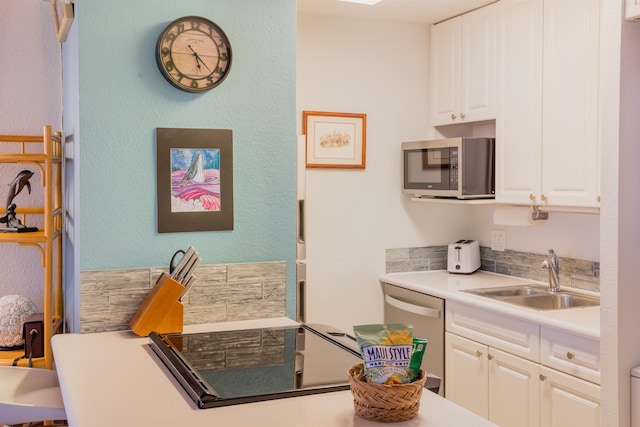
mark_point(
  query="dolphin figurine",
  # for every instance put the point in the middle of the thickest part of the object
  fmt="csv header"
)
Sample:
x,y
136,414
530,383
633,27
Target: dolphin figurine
x,y
21,180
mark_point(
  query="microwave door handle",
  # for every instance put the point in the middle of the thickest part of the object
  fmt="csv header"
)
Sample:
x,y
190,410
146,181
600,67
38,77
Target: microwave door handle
x,y
413,308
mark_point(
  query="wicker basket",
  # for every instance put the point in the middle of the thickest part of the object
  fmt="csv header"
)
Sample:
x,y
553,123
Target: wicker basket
x,y
381,402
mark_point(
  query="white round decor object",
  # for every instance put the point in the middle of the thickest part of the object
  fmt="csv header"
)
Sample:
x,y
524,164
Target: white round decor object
x,y
14,309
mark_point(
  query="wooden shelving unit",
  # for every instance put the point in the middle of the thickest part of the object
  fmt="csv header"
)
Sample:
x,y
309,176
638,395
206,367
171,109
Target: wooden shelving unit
x,y
48,239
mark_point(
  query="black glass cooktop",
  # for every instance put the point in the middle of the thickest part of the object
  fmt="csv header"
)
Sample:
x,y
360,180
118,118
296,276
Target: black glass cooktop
x,y
232,367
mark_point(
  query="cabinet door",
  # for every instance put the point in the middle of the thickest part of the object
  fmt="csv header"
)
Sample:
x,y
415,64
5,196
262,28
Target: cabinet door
x,y
514,390
519,91
478,65
568,401
632,9
445,72
570,112
466,374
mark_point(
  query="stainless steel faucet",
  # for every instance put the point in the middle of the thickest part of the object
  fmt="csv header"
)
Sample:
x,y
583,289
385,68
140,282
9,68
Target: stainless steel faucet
x,y
554,271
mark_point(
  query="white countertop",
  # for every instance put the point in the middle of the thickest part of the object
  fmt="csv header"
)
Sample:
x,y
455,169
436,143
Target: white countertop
x,y
440,283
112,379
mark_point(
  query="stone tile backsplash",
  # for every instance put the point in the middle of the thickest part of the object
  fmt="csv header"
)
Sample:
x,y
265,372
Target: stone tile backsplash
x,y
573,272
227,292
222,292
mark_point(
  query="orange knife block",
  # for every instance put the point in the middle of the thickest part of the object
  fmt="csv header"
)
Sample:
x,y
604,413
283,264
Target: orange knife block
x,y
161,311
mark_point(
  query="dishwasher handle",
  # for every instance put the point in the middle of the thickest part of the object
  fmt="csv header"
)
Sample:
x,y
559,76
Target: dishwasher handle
x,y
413,308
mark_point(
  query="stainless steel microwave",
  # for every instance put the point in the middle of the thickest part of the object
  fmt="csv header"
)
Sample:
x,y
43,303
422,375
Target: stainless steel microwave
x,y
462,168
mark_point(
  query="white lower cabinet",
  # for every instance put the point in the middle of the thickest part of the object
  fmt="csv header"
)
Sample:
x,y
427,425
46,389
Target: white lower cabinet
x,y
514,390
496,385
567,400
466,373
551,380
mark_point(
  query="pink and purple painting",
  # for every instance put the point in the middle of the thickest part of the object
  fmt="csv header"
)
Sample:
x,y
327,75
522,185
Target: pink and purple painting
x,y
195,180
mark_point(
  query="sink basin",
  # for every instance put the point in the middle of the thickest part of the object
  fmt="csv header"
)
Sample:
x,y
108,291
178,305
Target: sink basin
x,y
509,291
537,297
554,301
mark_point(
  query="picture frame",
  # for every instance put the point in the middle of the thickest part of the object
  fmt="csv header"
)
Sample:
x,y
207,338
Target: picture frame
x,y
335,140
194,179
62,11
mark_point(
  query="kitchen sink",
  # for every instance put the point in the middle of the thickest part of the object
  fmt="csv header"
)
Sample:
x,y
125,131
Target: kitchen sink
x,y
554,301
510,291
537,297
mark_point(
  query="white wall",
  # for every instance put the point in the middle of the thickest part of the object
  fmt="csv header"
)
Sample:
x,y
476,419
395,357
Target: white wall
x,y
382,69
379,69
30,97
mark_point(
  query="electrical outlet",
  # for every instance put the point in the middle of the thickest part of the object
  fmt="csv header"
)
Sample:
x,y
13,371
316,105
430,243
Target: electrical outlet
x,y
498,240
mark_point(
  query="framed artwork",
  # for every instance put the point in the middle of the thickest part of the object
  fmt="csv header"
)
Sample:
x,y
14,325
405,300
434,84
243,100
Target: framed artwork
x,y
194,179
335,140
62,11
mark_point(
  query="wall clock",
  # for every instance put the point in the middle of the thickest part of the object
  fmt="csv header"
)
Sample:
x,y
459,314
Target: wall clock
x,y
193,54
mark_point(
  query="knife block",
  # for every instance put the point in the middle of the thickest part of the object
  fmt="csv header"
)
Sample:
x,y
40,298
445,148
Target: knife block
x,y
161,311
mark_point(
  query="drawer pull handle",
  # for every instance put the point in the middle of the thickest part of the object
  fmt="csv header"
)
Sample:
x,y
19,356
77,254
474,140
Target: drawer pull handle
x,y
413,308
490,357
570,355
542,377
453,117
478,353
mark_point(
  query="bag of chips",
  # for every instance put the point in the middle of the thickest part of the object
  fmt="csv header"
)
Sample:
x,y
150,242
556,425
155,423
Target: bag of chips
x,y
419,347
387,351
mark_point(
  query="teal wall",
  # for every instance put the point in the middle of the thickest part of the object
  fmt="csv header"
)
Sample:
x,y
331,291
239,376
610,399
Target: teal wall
x,y
122,98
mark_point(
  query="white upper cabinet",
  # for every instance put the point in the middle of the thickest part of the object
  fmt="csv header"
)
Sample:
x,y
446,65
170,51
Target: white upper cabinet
x,y
570,125
463,68
547,135
519,90
632,9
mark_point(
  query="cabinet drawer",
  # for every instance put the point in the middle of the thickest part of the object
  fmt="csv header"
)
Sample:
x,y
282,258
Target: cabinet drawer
x,y
574,355
502,332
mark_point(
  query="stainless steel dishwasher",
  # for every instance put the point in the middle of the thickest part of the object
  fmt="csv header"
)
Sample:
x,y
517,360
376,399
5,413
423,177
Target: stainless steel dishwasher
x,y
426,314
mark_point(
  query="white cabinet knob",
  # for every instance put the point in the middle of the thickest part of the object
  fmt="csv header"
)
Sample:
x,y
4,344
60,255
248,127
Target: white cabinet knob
x,y
453,116
462,115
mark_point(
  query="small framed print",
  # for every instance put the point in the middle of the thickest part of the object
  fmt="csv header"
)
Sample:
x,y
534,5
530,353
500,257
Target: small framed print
x,y
62,11
194,179
335,140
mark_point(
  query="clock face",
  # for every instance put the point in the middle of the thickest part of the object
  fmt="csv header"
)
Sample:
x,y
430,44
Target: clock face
x,y
193,54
